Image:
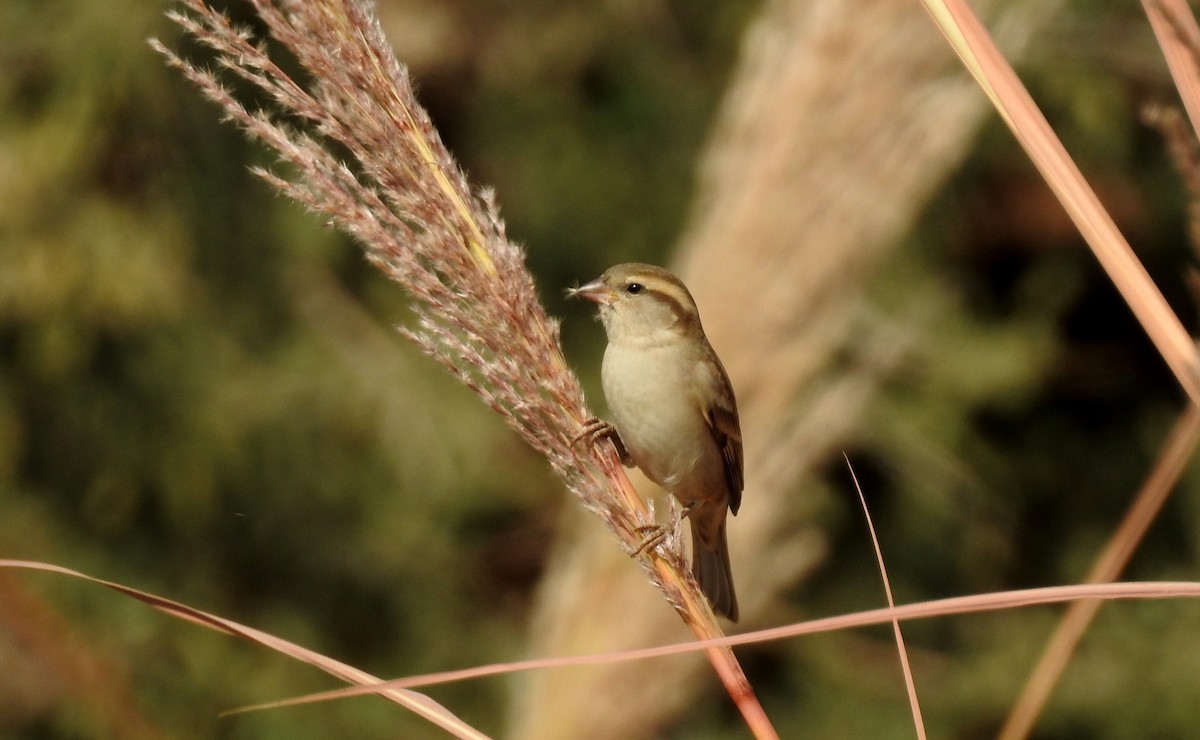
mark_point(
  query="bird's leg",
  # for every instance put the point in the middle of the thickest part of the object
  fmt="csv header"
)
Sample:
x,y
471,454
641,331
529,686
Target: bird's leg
x,y
595,429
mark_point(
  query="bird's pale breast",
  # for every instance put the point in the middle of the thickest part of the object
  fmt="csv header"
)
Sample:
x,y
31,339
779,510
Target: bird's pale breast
x,y
659,421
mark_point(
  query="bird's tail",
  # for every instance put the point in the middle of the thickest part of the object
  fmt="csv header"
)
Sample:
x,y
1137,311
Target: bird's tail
x,y
710,566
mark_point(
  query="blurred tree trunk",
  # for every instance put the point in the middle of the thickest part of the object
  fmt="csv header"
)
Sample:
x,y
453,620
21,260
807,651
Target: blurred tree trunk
x,y
841,120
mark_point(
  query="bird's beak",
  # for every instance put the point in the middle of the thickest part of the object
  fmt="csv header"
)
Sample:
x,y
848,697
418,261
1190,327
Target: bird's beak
x,y
595,291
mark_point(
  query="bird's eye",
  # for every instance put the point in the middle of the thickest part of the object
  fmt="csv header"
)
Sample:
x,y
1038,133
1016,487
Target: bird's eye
x,y
634,288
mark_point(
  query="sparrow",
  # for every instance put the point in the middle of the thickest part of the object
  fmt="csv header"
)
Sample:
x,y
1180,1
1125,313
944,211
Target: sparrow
x,y
673,411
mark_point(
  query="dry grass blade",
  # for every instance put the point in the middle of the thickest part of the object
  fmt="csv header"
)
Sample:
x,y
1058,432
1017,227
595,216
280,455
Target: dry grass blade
x,y
418,703
910,685
979,53
405,200
925,610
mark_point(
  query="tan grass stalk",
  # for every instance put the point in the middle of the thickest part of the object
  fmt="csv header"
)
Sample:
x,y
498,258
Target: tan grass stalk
x,y
976,604
407,203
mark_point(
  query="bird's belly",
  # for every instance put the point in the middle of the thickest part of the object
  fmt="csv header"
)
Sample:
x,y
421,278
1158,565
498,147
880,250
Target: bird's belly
x,y
655,413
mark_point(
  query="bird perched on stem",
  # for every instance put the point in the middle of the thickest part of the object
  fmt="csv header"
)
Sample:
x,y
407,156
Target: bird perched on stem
x,y
673,410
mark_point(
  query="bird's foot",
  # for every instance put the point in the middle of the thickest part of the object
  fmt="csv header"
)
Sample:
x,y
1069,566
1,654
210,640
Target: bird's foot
x,y
594,430
654,535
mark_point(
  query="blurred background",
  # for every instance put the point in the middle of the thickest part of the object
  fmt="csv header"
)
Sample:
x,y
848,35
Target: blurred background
x,y
202,394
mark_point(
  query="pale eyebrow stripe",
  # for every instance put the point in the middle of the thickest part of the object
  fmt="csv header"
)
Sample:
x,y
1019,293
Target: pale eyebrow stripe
x,y
673,293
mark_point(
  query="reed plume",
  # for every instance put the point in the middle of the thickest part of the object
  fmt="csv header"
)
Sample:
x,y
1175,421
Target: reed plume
x,y
400,194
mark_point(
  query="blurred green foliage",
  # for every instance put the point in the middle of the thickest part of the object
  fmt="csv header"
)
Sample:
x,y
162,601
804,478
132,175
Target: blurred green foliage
x,y
200,394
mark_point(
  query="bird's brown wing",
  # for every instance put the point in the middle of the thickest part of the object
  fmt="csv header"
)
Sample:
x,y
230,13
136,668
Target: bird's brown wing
x,y
721,414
